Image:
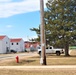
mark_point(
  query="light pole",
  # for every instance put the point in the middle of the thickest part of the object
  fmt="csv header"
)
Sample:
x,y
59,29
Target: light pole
x,y
43,54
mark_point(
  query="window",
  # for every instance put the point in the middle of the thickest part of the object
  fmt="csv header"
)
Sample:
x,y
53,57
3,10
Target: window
x,y
6,42
17,43
12,43
46,47
50,47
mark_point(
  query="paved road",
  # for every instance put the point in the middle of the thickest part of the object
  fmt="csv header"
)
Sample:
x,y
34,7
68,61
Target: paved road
x,y
8,56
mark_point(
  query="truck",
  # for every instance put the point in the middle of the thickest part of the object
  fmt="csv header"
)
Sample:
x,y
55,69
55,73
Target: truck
x,y
51,50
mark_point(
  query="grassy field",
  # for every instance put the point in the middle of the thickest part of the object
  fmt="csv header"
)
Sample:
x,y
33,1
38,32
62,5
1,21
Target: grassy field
x,y
35,61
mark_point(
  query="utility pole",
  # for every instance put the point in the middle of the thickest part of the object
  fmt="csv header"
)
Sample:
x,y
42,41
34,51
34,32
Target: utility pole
x,y
43,54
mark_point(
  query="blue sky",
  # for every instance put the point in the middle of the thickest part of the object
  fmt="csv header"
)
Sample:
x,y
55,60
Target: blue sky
x,y
18,16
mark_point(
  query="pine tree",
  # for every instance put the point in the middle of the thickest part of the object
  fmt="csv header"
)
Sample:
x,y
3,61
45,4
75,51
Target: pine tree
x,y
60,20
37,30
60,23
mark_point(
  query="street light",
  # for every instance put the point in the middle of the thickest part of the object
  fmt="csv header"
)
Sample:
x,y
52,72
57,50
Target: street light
x,y
43,54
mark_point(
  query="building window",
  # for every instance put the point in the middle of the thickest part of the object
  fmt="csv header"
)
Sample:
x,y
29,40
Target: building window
x,y
6,42
17,43
12,43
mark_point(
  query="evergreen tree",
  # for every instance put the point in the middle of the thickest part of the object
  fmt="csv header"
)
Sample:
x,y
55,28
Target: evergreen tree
x,y
60,19
60,23
37,30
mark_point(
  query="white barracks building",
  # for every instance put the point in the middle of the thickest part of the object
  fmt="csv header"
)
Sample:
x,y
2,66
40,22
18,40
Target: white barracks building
x,y
4,44
7,44
17,44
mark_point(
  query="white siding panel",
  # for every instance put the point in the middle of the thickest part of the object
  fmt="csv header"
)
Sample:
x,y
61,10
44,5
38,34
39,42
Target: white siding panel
x,y
19,47
6,45
1,51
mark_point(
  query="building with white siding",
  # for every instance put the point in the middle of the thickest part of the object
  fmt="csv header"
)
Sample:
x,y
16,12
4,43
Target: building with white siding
x,y
17,44
4,44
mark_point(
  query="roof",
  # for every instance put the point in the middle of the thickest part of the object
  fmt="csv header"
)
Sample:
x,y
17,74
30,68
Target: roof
x,y
16,40
2,37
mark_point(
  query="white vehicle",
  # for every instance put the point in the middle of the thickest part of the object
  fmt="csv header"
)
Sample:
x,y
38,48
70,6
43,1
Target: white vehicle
x,y
51,50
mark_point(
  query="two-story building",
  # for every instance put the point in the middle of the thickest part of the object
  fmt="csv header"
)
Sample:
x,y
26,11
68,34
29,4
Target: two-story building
x,y
4,44
7,44
17,44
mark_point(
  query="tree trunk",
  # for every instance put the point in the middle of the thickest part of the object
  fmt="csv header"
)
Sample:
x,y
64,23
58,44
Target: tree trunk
x,y
67,49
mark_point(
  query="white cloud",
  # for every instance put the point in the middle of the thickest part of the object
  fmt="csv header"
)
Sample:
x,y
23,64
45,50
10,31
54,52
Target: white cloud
x,y
9,26
5,0
9,8
4,29
29,37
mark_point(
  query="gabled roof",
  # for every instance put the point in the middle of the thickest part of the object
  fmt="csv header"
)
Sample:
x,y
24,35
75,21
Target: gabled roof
x,y
2,37
16,40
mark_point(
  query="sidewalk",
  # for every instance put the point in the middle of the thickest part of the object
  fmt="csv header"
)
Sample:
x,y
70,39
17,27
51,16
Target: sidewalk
x,y
40,67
